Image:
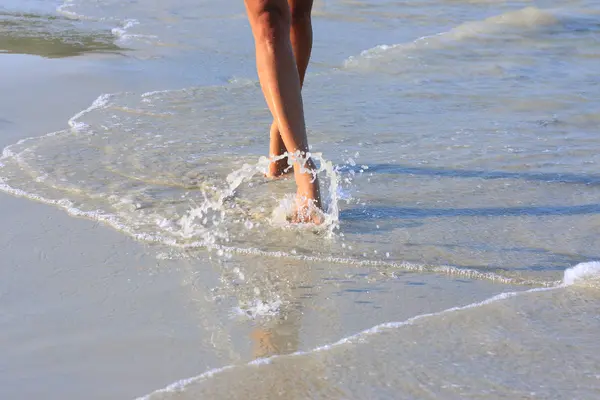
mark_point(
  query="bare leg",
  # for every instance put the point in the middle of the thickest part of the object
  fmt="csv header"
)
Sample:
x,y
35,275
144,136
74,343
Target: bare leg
x,y
280,82
301,38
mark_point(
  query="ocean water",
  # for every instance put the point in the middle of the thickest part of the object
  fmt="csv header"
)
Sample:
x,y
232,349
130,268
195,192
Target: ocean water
x,y
455,140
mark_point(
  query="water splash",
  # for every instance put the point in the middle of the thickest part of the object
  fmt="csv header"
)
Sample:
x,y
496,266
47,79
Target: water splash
x,y
587,274
209,221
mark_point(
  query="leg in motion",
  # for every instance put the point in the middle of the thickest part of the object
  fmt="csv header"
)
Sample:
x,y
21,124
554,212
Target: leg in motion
x,y
280,81
301,37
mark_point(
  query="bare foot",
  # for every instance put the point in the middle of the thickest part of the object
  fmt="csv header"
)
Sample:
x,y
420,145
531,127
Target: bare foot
x,y
278,167
308,195
307,212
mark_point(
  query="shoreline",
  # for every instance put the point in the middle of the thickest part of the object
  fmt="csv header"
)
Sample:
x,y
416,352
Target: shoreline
x,y
62,275
91,312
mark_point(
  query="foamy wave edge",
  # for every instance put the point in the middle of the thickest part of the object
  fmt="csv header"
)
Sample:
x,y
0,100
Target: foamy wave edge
x,y
581,273
111,220
64,10
119,32
572,275
74,125
524,18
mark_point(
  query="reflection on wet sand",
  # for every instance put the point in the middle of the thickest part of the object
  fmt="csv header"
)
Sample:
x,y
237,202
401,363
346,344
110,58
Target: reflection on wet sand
x,y
279,334
269,298
51,36
263,300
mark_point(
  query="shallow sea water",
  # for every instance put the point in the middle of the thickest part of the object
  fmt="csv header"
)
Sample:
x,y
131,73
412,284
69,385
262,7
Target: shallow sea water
x,y
456,139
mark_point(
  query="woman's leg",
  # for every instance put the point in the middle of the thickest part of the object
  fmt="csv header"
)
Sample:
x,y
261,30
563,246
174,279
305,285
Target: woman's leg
x,y
280,81
301,38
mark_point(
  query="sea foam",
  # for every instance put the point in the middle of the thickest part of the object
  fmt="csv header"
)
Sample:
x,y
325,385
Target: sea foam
x,y
581,273
525,19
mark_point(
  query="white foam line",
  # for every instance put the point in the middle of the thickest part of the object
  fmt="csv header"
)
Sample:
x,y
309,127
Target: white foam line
x,y
111,220
119,32
183,383
582,271
383,48
527,17
155,92
242,83
122,35
98,215
100,102
63,9
406,266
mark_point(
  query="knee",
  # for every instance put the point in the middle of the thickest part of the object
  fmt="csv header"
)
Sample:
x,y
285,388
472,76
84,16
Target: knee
x,y
272,22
